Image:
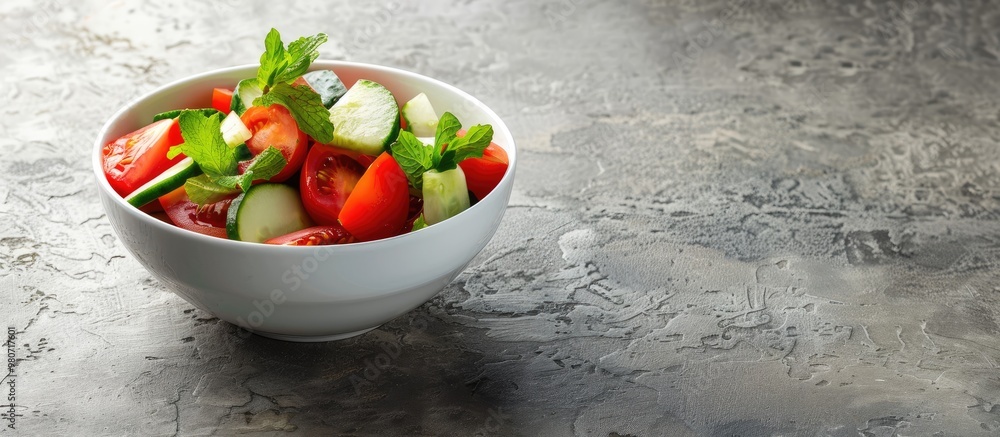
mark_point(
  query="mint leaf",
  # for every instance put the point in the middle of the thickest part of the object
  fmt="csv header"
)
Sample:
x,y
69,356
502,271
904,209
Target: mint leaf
x,y
203,142
448,127
206,188
301,53
273,61
268,163
471,145
280,65
413,156
416,158
176,112
264,166
419,223
306,107
202,190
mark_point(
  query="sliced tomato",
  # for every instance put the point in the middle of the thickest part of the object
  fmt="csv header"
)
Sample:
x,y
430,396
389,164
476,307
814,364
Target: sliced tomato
x,y
314,236
328,178
151,208
207,219
482,175
378,206
221,99
137,157
274,126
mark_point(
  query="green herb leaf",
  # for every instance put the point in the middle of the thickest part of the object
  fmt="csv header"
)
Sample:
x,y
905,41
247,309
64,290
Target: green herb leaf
x,y
280,65
416,158
448,127
273,61
301,53
306,107
203,142
471,145
202,190
419,223
413,156
266,165
176,112
209,189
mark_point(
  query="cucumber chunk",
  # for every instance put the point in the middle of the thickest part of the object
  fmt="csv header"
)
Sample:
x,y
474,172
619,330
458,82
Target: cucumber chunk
x,y
366,119
327,85
266,211
170,180
234,132
420,117
445,194
244,95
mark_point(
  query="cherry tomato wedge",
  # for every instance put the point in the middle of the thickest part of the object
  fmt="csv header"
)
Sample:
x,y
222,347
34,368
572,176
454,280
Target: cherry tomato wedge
x,y
314,236
274,126
482,175
207,219
221,99
328,178
137,157
379,204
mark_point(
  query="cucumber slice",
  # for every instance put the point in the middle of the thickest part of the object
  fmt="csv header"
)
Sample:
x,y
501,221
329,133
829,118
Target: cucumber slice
x,y
366,119
170,180
208,112
266,211
327,85
445,194
244,95
420,117
234,132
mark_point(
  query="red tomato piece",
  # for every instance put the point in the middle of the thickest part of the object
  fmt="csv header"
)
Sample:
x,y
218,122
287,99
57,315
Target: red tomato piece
x,y
137,157
208,219
314,236
274,126
328,177
482,175
222,99
378,206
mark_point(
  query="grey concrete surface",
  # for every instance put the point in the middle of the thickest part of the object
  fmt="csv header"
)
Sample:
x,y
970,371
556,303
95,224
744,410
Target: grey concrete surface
x,y
745,218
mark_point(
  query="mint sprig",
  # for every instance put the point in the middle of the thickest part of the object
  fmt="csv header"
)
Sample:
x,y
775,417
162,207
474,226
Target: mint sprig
x,y
281,65
205,189
266,165
415,158
203,143
306,107
448,127
471,145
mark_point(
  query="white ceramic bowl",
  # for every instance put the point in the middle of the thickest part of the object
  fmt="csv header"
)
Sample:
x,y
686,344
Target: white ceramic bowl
x,y
306,293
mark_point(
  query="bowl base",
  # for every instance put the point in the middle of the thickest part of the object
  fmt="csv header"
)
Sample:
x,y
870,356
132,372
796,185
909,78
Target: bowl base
x,y
312,338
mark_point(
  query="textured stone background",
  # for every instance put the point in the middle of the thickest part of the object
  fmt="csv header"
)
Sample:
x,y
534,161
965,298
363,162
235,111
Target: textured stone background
x,y
731,218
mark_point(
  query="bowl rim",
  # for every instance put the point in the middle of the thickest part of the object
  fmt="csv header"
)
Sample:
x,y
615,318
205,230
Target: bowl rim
x,y
105,186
